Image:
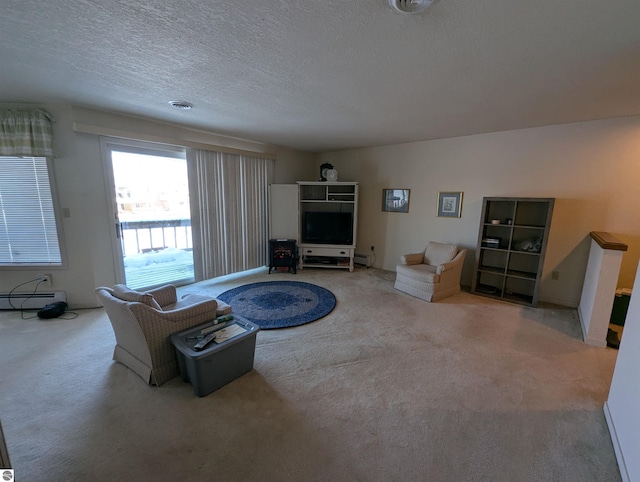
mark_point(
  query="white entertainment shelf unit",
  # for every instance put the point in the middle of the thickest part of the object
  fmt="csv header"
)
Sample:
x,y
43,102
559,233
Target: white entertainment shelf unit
x,y
328,217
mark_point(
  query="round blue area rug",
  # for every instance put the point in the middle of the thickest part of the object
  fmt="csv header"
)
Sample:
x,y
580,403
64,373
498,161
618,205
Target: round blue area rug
x,y
280,304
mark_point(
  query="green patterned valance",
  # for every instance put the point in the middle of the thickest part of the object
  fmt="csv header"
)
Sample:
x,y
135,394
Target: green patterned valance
x,y
26,133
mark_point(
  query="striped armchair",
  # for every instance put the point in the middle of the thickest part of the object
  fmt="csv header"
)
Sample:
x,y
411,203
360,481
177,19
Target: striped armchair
x,y
143,321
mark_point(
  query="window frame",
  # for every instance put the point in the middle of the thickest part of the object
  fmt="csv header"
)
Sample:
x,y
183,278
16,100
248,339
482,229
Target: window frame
x,y
57,220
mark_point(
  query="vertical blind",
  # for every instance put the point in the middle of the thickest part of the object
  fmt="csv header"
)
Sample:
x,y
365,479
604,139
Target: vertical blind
x,y
229,216
28,233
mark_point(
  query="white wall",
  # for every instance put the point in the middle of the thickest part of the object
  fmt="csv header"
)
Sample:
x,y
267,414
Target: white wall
x,y
622,408
78,172
591,168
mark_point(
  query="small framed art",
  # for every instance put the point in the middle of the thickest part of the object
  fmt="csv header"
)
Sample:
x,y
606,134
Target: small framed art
x,y
395,200
450,204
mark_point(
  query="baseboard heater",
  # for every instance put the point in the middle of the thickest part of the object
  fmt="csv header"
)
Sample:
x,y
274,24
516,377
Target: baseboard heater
x,y
362,259
30,301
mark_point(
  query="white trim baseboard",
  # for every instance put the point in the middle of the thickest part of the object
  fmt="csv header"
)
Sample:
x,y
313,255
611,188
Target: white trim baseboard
x,y
558,301
622,466
587,339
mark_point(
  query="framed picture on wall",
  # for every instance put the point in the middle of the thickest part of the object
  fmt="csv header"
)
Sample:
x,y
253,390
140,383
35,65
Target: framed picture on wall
x,y
395,200
450,204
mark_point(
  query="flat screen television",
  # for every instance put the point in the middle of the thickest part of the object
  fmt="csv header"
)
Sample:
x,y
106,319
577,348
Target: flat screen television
x,y
327,227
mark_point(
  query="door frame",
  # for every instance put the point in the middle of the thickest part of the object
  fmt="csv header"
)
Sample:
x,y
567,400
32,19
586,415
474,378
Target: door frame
x,y
138,147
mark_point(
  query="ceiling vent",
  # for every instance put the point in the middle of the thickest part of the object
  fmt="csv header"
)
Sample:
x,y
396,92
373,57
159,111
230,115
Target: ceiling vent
x,y
410,6
181,104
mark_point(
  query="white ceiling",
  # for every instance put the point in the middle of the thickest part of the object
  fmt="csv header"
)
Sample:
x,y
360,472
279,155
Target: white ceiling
x,y
323,75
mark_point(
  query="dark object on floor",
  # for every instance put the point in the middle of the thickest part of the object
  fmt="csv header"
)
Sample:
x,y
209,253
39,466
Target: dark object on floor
x,y
52,310
612,339
620,306
283,255
280,304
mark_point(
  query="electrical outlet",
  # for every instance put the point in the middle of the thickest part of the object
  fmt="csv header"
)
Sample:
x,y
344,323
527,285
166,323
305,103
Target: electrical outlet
x,y
555,275
45,279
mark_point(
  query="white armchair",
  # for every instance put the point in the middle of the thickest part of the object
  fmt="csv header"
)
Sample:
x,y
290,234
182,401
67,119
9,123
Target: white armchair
x,y
143,322
433,274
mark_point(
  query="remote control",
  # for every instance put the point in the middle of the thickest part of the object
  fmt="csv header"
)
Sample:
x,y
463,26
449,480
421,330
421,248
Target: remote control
x,y
224,318
201,344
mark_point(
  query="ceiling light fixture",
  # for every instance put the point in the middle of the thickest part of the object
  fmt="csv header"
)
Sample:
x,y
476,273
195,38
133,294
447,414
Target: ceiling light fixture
x,y
181,104
411,6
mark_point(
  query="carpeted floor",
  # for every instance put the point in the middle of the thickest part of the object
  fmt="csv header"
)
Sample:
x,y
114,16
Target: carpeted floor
x,y
386,387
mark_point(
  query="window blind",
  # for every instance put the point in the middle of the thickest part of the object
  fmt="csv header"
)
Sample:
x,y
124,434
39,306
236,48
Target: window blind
x,y
28,232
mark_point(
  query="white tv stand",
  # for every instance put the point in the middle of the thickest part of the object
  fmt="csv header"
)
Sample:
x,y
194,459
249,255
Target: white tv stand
x,y
329,197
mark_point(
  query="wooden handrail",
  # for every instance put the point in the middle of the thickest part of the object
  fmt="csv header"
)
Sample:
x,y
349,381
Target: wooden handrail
x,y
608,241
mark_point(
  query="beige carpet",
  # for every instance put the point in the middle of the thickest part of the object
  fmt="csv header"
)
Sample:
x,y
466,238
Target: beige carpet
x,y
385,388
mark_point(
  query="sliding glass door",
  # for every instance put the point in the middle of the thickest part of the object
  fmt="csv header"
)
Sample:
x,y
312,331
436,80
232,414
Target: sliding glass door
x,y
150,199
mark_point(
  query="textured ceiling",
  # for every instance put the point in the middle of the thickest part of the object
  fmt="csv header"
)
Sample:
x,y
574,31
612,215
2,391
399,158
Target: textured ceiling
x,y
331,74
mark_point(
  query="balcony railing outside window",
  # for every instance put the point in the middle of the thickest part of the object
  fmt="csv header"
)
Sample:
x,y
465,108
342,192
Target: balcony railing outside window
x,y
145,236
157,252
